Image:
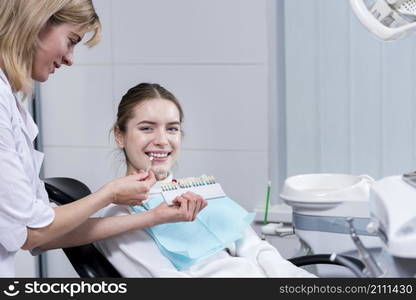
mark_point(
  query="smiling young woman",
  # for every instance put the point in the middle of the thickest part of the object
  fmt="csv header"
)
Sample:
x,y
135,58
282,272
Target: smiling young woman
x,y
148,130
149,125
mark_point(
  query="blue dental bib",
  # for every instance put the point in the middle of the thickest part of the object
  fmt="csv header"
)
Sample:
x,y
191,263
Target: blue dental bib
x,y
219,224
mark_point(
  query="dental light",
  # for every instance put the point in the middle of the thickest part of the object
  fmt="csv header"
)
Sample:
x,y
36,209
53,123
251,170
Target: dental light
x,y
386,19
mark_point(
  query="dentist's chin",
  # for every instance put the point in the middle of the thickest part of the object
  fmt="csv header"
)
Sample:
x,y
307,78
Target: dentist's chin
x,y
41,78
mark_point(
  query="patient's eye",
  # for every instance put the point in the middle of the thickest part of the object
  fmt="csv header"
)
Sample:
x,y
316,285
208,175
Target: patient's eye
x,y
72,42
145,128
173,128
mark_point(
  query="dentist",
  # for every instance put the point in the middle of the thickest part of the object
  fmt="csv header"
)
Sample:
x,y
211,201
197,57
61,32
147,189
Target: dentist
x,y
36,38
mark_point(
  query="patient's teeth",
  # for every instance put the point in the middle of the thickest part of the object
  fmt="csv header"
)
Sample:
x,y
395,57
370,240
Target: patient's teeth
x,y
159,155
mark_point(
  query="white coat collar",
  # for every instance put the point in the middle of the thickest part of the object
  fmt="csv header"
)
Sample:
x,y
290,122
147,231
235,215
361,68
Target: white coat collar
x,y
29,127
4,79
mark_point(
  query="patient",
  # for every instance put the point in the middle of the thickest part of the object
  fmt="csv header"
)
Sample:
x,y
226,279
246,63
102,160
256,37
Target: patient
x,y
148,130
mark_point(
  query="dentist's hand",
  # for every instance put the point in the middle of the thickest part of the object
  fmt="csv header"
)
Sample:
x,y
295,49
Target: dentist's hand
x,y
132,189
184,209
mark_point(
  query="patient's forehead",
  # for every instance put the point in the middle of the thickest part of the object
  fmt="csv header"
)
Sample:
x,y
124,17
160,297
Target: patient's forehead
x,y
156,110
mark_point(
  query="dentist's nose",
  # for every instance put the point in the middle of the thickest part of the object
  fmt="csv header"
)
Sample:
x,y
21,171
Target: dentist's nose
x,y
68,59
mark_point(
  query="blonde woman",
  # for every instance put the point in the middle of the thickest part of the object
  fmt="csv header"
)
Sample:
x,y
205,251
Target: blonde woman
x,y
36,38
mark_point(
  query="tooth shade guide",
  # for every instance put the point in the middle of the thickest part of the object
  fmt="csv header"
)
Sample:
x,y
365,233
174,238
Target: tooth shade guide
x,y
187,183
204,186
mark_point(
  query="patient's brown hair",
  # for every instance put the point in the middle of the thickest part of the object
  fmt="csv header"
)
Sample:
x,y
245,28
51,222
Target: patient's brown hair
x,y
137,95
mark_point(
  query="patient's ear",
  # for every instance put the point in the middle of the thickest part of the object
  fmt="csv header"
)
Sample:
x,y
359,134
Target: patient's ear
x,y
118,136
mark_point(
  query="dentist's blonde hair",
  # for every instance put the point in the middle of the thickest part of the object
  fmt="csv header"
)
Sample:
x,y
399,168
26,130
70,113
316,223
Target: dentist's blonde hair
x,y
20,24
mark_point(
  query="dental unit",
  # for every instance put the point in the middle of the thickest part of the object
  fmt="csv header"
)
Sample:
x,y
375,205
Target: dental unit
x,y
387,19
356,216
330,215
393,212
392,199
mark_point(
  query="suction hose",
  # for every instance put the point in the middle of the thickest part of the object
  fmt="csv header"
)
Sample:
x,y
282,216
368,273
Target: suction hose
x,y
353,264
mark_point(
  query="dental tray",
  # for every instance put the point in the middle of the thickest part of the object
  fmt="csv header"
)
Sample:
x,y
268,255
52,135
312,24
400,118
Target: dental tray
x,y
205,186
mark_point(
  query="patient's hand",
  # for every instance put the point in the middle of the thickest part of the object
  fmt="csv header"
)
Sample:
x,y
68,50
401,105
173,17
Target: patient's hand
x,y
132,189
184,208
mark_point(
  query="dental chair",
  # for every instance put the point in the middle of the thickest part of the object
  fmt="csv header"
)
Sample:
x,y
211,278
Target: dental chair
x,y
88,262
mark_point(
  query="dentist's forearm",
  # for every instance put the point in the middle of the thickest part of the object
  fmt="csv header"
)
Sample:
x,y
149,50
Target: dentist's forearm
x,y
68,217
95,229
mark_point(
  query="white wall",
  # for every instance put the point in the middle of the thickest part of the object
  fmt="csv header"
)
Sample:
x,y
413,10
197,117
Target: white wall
x,y
213,55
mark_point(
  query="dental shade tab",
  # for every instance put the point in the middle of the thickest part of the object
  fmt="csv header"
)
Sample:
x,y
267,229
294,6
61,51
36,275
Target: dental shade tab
x,y
205,186
150,164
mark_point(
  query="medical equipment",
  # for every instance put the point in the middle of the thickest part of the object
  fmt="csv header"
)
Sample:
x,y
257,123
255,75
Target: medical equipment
x,y
324,208
392,199
393,211
374,221
386,19
372,267
205,186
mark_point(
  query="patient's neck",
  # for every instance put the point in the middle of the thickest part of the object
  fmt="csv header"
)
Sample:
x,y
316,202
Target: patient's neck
x,y
160,176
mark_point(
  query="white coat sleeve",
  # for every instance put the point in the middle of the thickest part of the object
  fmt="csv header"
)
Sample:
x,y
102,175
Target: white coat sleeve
x,y
267,257
19,205
134,253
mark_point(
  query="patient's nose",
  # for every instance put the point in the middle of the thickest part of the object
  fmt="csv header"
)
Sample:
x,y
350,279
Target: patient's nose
x,y
161,138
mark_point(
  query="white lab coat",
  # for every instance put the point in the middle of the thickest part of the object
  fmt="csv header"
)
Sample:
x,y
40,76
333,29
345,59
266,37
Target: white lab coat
x,y
23,198
135,254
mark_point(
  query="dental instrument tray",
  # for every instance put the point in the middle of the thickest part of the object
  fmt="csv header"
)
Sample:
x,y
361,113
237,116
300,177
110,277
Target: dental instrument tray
x,y
205,186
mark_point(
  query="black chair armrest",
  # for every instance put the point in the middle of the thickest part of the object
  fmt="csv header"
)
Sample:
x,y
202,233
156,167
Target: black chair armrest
x,y
88,262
